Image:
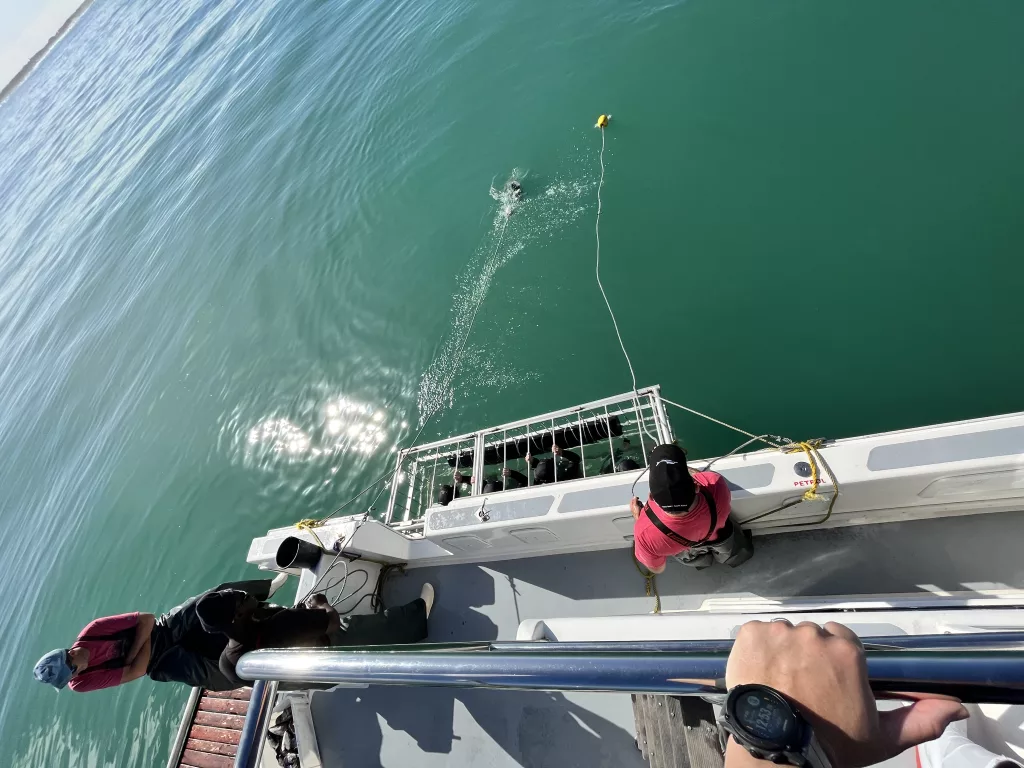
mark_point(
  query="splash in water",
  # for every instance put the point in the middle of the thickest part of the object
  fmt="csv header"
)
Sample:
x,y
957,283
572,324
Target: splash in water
x,y
510,194
556,204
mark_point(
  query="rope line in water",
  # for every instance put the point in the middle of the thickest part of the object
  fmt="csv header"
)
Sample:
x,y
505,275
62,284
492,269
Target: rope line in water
x,y
763,438
597,270
608,304
618,333
809,447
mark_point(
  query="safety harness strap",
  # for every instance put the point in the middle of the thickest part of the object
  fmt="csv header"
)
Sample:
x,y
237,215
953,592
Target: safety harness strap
x,y
682,540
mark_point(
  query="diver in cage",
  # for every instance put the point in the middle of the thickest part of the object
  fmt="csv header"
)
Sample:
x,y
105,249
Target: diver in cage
x,y
563,465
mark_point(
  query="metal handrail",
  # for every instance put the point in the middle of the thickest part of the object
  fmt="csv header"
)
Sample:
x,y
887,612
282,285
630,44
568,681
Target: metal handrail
x,y
1008,640
973,675
257,720
181,737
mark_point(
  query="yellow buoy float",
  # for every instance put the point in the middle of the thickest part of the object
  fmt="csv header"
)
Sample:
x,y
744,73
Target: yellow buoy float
x,y
602,121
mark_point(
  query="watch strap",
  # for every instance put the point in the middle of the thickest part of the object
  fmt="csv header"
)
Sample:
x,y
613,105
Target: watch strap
x,y
814,752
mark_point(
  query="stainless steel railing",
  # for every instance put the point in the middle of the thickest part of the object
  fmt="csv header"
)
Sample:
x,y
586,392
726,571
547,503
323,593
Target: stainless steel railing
x,y
257,719
979,669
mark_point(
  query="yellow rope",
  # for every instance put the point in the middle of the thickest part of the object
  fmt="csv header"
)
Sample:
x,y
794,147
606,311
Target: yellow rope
x,y
309,525
815,459
811,494
650,586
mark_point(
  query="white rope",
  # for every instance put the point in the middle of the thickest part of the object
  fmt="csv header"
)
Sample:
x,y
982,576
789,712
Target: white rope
x,y
716,421
597,268
636,395
615,323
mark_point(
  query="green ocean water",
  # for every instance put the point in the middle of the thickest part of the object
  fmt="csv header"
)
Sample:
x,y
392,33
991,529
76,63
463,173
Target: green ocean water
x,y
222,222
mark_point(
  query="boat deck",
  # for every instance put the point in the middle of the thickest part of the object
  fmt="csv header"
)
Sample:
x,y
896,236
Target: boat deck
x,y
383,726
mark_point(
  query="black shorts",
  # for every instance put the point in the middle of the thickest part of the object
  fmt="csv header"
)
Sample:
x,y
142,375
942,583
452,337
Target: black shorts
x,y
182,651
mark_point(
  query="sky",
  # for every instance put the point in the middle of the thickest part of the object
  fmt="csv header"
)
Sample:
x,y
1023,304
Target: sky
x,y
25,27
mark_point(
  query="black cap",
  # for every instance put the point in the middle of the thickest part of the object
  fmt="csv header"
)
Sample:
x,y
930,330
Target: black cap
x,y
544,472
672,486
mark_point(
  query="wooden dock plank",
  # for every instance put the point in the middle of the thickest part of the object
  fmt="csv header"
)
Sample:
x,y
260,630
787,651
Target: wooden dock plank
x,y
215,747
218,720
226,706
221,735
214,730
206,760
240,694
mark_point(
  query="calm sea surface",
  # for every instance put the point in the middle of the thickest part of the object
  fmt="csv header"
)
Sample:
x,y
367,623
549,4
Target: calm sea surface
x,y
224,223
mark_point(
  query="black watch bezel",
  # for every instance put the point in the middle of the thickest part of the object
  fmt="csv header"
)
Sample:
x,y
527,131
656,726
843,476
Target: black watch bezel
x,y
795,740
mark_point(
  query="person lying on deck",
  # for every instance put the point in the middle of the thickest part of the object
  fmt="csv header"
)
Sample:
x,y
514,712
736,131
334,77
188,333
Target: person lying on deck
x,y
684,510
248,626
563,465
173,647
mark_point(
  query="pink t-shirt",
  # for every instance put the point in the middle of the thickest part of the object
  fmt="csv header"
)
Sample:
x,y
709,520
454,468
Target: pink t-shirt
x,y
652,547
103,649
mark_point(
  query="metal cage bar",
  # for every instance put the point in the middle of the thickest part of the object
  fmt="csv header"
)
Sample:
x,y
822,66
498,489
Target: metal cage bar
x,y
554,461
478,464
643,405
640,426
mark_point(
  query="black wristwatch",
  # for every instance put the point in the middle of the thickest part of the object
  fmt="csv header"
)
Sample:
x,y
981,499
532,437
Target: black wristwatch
x,y
763,722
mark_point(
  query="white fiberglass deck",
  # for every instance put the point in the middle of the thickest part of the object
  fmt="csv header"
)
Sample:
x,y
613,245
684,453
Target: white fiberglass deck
x,y
385,726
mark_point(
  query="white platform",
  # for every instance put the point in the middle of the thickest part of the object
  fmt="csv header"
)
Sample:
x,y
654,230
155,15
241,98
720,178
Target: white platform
x,y
964,468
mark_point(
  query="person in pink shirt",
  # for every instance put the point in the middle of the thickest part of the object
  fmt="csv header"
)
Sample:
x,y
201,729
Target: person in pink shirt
x,y
685,510
174,647
108,652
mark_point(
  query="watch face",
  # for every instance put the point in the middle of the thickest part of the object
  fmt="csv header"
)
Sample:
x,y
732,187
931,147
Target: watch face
x,y
764,716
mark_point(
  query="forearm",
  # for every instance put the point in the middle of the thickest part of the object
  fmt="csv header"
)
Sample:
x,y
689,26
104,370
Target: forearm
x,y
138,667
143,632
737,757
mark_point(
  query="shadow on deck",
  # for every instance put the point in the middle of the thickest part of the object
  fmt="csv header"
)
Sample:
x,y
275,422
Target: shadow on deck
x,y
426,727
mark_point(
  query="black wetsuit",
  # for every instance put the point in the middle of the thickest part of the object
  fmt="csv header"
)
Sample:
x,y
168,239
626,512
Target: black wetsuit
x,y
515,479
568,465
183,652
